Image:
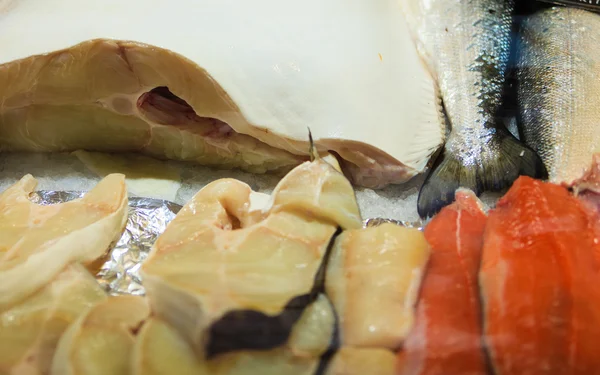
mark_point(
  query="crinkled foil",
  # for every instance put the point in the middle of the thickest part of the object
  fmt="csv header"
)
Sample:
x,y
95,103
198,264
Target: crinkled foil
x,y
147,219
374,222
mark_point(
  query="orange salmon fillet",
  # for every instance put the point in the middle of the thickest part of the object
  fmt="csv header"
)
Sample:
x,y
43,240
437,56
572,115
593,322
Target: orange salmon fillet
x,y
446,339
539,283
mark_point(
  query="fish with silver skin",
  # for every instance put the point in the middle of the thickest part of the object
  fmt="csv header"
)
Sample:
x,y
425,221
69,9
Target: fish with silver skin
x,y
558,83
466,44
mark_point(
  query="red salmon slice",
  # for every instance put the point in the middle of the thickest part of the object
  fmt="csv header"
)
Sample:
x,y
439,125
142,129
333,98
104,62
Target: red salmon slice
x,y
446,338
539,283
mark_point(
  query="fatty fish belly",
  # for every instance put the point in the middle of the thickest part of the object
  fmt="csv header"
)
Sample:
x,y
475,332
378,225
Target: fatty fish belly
x,y
538,277
201,90
37,241
558,64
161,350
447,335
232,274
30,330
101,340
373,280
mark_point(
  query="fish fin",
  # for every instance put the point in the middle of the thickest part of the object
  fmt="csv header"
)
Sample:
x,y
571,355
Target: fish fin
x,y
448,174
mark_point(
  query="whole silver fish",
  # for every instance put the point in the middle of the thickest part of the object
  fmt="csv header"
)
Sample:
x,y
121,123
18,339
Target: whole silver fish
x,y
467,45
559,87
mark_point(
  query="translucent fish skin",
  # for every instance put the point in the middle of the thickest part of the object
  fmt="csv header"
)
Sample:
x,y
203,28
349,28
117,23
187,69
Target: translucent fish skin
x,y
467,45
446,338
538,278
558,76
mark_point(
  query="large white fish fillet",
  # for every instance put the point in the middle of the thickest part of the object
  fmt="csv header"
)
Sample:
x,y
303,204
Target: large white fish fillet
x,y
37,242
256,74
226,252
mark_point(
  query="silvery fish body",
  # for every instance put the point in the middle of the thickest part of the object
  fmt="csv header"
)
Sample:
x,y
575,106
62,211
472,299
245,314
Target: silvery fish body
x,y
466,44
559,61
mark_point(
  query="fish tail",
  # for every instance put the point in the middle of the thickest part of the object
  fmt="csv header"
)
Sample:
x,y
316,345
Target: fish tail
x,y
448,173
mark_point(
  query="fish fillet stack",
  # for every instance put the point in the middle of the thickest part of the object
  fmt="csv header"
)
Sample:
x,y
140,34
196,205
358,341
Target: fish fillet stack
x,y
243,283
44,285
240,283
246,279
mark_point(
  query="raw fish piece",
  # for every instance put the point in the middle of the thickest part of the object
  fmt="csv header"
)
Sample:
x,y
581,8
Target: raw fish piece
x,y
539,278
233,272
161,350
101,340
31,329
558,63
446,338
373,280
224,83
37,242
587,188
353,361
467,45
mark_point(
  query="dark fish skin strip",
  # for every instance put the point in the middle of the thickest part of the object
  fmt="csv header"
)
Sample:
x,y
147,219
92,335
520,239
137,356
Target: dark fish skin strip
x,y
253,330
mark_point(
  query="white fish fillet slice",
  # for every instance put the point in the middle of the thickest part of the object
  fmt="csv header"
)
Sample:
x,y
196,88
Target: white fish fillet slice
x,y
101,341
31,329
373,280
38,242
269,69
161,350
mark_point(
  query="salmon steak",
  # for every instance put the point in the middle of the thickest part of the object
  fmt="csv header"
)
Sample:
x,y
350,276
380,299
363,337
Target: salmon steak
x,y
538,279
446,338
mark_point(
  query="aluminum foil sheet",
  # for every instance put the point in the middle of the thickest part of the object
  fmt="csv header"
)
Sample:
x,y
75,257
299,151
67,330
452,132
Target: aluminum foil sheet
x,y
420,225
147,219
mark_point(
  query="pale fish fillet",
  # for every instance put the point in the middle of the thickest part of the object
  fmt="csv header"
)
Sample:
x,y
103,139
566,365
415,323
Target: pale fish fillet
x,y
161,350
101,341
31,329
37,242
224,83
558,75
373,280
360,361
226,263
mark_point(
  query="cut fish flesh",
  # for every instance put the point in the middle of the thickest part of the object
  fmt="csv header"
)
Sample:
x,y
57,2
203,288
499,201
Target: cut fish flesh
x,y
539,277
161,350
354,361
225,268
373,280
184,82
31,329
446,338
37,242
101,340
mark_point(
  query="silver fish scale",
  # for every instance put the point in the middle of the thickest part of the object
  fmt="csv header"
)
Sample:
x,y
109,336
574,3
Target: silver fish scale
x,y
559,88
471,40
